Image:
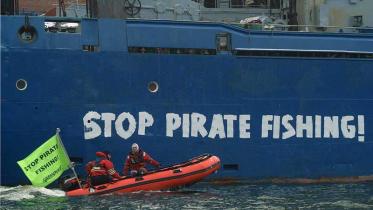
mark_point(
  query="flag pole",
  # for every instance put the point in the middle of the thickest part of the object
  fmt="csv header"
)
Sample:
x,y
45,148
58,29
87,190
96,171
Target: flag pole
x,y
71,165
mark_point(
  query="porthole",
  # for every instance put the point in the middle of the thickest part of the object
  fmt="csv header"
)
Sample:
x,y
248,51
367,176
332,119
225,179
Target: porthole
x,y
153,87
27,34
21,84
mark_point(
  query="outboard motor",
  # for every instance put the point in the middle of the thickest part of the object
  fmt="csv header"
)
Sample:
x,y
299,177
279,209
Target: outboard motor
x,y
68,183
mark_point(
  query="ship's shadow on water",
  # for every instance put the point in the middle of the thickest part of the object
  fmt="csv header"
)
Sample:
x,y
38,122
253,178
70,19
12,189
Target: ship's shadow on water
x,y
201,196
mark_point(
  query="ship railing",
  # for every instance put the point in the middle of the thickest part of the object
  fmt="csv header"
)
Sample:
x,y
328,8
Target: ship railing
x,y
238,4
305,28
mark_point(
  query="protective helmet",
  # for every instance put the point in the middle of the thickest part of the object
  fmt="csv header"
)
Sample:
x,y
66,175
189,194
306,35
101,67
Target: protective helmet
x,y
108,155
101,154
135,147
104,154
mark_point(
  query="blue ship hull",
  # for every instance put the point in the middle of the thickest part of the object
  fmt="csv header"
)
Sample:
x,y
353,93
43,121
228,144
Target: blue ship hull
x,y
277,105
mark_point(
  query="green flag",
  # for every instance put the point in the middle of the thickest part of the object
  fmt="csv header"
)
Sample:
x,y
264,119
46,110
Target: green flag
x,y
46,163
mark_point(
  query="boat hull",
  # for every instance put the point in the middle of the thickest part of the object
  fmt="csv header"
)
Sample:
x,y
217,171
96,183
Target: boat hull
x,y
168,178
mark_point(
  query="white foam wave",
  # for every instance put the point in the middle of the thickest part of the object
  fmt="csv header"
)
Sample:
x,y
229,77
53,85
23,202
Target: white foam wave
x,y
4,189
350,204
193,206
344,204
27,192
270,198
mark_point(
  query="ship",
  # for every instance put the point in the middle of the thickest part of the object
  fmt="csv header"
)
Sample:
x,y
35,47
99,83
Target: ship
x,y
272,105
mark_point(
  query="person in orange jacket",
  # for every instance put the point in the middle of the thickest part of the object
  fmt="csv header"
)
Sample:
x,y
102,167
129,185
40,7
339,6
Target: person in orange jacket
x,y
136,161
102,170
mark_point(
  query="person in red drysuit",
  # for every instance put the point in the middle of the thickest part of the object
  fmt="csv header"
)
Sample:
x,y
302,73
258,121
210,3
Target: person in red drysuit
x,y
136,161
102,170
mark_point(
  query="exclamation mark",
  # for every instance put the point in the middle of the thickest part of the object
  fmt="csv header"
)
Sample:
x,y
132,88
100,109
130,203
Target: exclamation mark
x,y
360,125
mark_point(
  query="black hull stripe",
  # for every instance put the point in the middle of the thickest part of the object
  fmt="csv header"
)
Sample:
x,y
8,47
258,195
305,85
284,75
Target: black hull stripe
x,y
155,180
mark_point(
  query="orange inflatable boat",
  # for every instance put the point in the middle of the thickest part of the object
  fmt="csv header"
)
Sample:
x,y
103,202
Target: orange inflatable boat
x,y
174,176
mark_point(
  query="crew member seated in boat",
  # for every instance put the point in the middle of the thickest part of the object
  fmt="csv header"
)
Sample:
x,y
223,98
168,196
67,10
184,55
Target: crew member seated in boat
x,y
102,170
136,161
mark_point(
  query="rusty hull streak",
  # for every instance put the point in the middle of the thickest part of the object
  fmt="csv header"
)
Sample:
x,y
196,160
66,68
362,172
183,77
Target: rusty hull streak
x,y
300,181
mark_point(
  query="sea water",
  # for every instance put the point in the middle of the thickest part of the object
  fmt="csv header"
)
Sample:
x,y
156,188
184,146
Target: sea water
x,y
201,196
